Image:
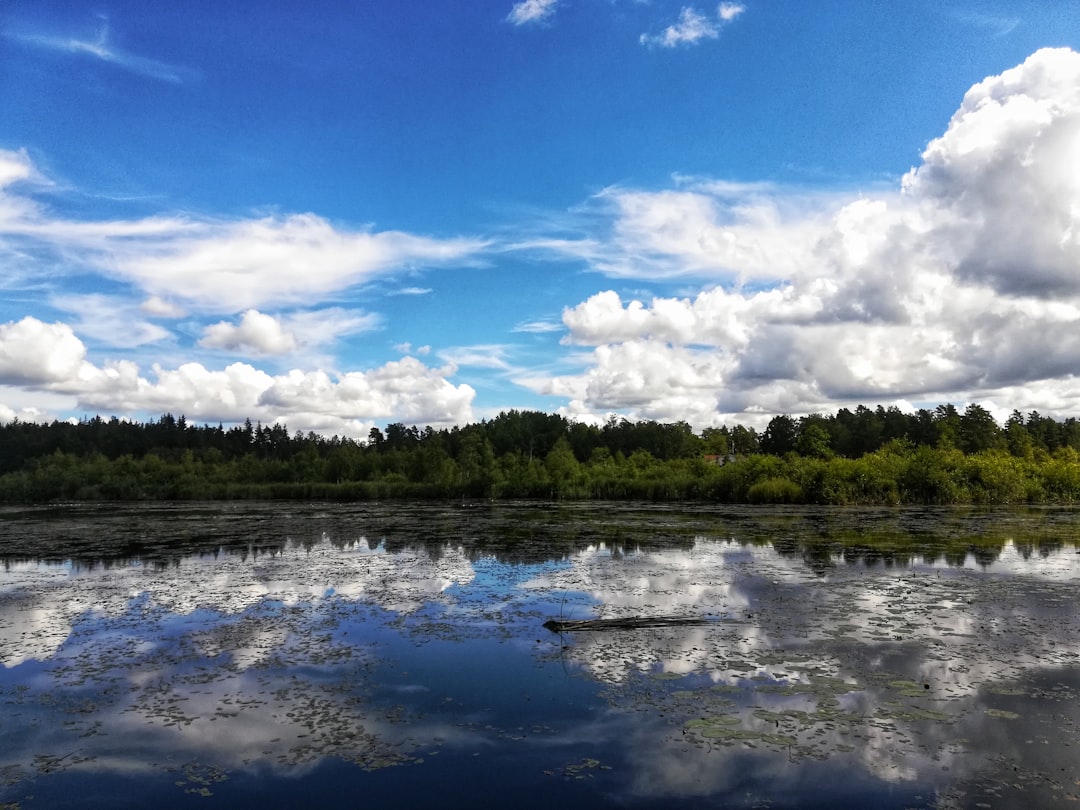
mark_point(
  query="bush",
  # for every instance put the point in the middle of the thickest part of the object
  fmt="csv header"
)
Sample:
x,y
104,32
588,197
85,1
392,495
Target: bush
x,y
775,490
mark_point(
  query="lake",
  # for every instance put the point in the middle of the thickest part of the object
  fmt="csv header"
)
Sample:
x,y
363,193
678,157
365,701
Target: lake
x,y
395,655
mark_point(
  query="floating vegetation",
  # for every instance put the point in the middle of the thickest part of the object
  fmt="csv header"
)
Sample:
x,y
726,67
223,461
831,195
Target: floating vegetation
x,y
584,769
413,649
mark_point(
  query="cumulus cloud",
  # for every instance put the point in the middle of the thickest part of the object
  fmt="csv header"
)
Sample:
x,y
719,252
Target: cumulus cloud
x,y
36,353
256,332
347,403
693,26
51,358
405,390
8,415
961,284
264,334
532,11
1003,179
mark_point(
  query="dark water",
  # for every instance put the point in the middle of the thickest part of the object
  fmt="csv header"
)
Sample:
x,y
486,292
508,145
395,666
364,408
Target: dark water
x,y
395,656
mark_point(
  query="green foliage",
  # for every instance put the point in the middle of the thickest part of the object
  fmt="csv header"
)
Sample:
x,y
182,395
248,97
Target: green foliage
x,y
775,490
880,456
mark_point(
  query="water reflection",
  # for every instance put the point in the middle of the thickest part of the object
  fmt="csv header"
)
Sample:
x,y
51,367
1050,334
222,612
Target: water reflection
x,y
938,667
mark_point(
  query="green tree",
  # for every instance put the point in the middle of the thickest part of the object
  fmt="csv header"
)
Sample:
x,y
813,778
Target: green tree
x,y
813,442
977,430
476,465
563,468
780,436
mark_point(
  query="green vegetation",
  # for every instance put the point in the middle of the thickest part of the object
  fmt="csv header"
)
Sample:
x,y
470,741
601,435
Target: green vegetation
x,y
864,456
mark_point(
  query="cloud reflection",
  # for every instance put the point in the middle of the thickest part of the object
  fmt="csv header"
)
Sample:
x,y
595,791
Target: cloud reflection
x,y
816,669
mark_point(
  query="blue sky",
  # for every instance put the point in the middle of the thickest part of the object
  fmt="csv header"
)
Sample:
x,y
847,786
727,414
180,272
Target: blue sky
x,y
350,214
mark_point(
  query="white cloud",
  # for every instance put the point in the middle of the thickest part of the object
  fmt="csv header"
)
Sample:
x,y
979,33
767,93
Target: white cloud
x,y
1003,179
215,265
37,353
404,390
322,327
729,11
478,356
723,231
160,308
248,263
412,291
963,285
8,415
14,167
693,26
51,359
113,320
347,403
538,327
264,334
532,11
256,332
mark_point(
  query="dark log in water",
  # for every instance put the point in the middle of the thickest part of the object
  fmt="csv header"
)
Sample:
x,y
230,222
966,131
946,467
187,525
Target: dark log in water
x,y
626,623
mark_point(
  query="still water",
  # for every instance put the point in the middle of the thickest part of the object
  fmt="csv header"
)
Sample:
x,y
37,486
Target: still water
x,y
395,656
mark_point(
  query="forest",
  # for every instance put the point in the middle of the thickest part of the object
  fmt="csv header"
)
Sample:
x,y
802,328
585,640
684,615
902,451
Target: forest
x,y
861,456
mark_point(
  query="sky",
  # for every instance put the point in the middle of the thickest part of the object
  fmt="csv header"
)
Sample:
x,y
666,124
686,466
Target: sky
x,y
340,215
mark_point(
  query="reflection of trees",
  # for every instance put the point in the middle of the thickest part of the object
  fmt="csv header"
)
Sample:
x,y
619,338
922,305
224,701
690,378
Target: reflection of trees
x,y
823,537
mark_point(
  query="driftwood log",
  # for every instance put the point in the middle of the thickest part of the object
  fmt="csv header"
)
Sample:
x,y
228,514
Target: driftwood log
x,y
626,623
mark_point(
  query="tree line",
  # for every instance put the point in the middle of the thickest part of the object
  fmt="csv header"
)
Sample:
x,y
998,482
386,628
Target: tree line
x,y
864,456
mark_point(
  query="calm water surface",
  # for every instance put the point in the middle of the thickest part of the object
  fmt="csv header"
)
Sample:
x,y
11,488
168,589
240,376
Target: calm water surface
x,y
395,655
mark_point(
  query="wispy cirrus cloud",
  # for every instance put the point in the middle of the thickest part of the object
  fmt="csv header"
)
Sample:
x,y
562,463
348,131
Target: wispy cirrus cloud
x,y
538,327
531,11
115,320
100,49
997,24
215,265
693,26
489,355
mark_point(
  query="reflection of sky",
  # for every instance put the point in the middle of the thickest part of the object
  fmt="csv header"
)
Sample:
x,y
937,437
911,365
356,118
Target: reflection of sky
x,y
345,652
951,633
42,601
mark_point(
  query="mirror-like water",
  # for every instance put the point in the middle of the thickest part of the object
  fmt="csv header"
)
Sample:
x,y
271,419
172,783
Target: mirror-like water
x,y
395,655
